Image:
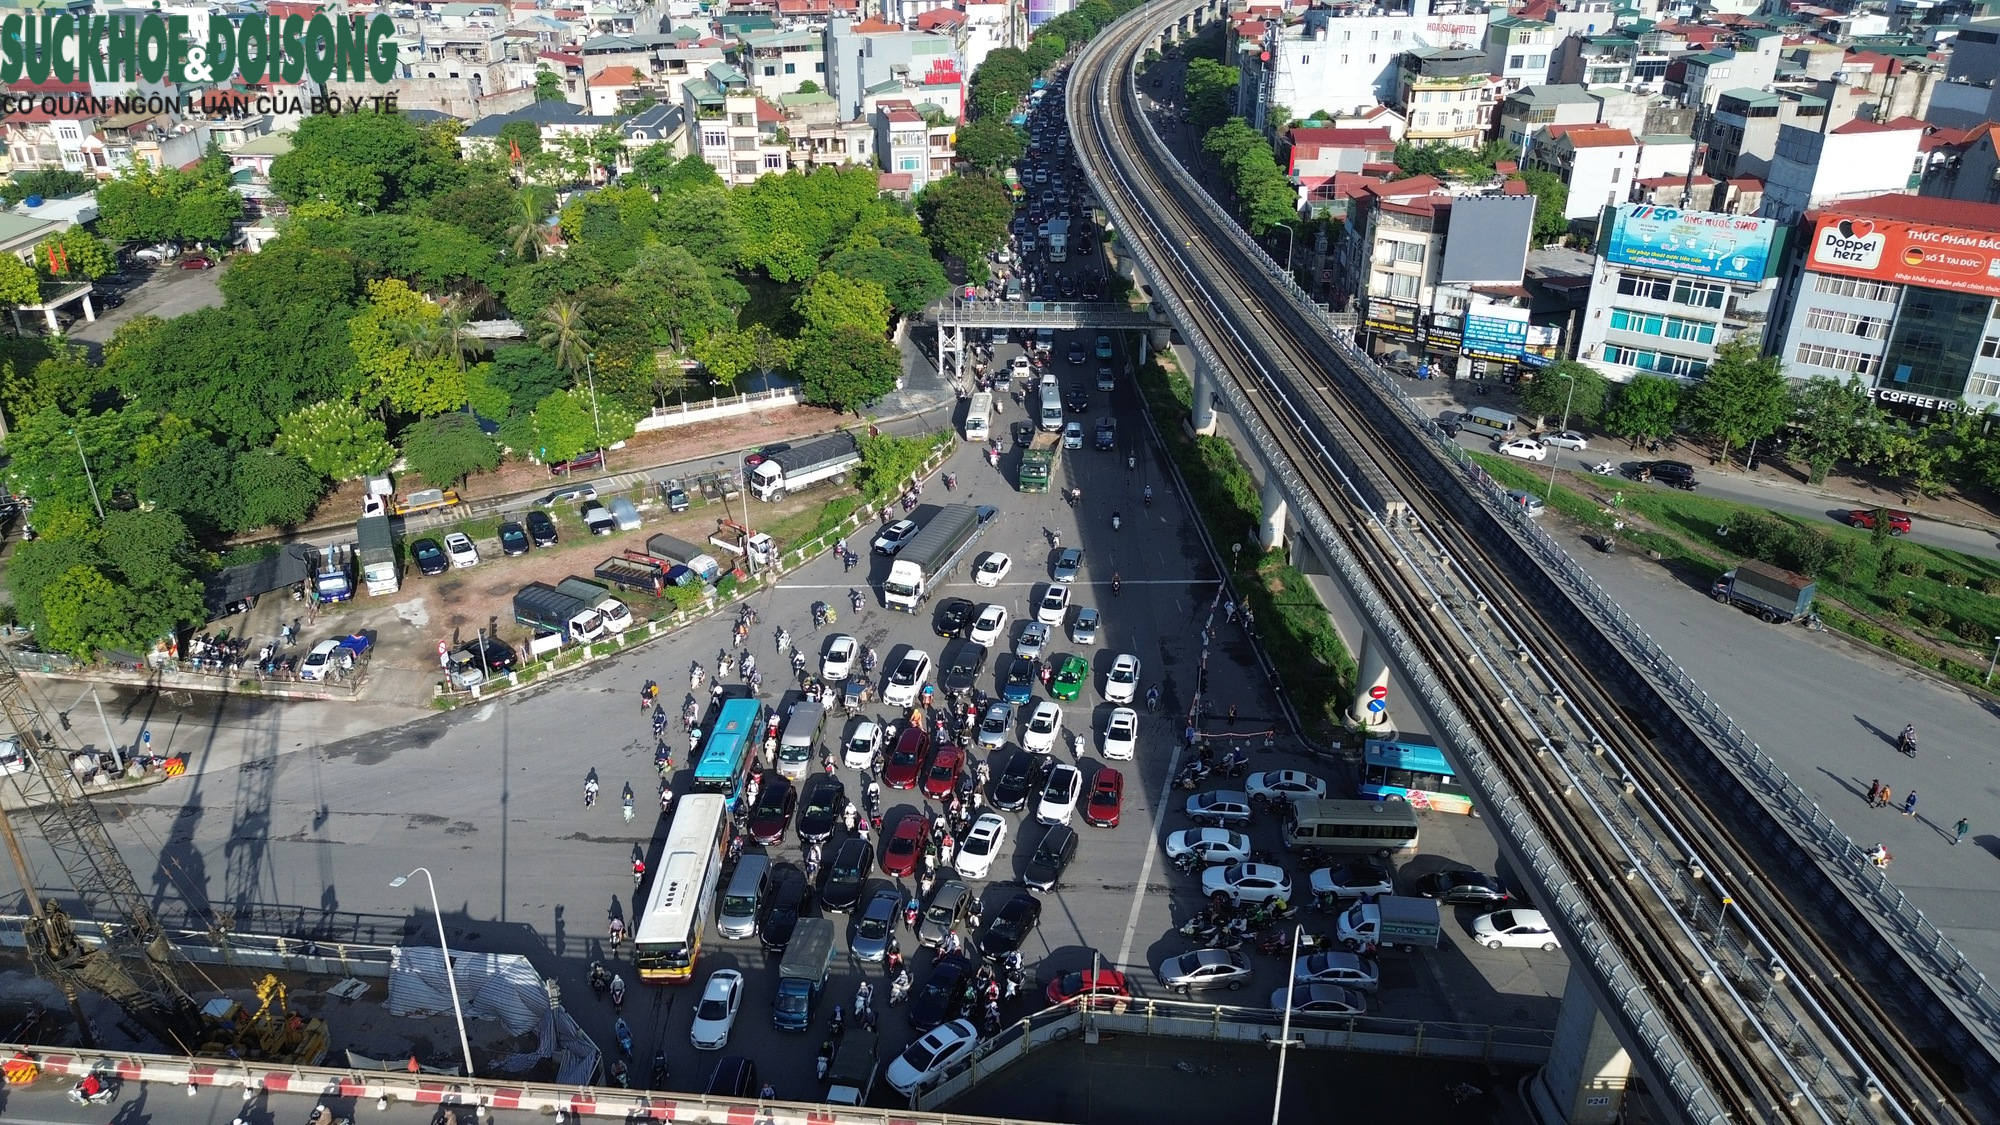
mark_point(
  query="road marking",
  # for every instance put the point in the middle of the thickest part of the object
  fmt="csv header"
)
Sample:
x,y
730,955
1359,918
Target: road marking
x,y
1146,868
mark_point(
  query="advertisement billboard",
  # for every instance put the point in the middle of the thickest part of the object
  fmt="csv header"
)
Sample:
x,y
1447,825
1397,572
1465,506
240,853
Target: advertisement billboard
x,y
1496,331
1698,243
1904,253
1042,11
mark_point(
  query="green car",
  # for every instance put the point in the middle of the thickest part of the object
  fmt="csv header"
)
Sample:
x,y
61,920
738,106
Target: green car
x,y
1069,678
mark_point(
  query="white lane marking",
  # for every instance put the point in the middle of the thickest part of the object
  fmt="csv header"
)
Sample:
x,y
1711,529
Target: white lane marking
x,y
1146,868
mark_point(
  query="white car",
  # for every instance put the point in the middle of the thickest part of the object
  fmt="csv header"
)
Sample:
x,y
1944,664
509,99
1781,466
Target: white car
x,y
1210,845
458,547
863,746
836,661
715,1014
1515,929
1292,785
1527,449
1044,723
321,661
1121,684
1054,604
981,846
926,1059
1247,883
1057,802
1566,439
1121,734
992,569
1034,637
895,536
989,626
906,680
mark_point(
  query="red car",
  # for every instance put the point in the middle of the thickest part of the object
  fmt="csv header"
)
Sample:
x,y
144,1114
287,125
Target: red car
x,y
942,776
591,460
197,262
900,851
906,759
1107,793
773,810
1101,986
1864,518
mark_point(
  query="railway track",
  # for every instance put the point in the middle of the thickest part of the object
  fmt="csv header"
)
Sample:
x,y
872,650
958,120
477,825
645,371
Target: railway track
x,y
1738,1002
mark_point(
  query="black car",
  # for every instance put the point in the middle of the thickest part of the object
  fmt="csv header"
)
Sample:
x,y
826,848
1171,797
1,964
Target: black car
x,y
1107,434
821,809
597,518
954,616
1677,474
846,875
429,557
1010,928
773,811
1045,867
1077,399
492,657
541,529
677,500
1076,353
963,666
513,539
1464,888
934,1002
782,909
1018,780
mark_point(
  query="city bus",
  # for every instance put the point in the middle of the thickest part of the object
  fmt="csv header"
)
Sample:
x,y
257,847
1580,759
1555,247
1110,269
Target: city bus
x,y
1413,770
669,933
978,416
1382,827
1486,420
731,743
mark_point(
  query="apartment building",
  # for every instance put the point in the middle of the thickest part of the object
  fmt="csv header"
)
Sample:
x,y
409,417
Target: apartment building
x,y
733,130
1598,163
1447,95
779,61
1860,158
1519,51
1529,108
1340,60
1742,131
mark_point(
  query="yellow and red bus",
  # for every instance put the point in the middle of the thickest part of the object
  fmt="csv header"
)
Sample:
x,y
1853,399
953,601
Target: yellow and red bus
x,y
669,934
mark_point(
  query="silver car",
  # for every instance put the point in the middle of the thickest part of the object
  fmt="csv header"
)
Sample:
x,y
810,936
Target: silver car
x,y
875,926
945,911
1205,968
996,725
1034,638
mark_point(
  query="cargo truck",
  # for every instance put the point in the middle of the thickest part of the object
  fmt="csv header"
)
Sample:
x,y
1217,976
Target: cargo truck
x,y
857,1061
377,548
427,500
680,552
1392,920
333,572
1773,594
920,568
1038,463
543,607
617,618
644,575
789,470
1058,240
803,974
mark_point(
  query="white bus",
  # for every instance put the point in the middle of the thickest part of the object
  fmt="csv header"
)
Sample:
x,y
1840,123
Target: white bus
x,y
669,934
978,415
1492,423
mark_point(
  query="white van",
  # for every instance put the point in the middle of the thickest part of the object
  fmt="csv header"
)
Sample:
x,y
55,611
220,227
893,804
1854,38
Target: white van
x,y
623,511
1013,288
744,898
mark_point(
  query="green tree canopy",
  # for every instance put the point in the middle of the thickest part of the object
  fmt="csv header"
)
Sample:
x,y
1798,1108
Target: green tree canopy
x,y
965,217
49,184
990,143
1266,197
388,339
142,205
1566,387
1645,409
830,301
19,284
1551,200
484,209
848,367
1743,396
563,427
277,490
1833,421
337,440
726,353
548,85
73,254
894,256
1211,93
684,296
446,448
65,380
195,478
367,162
526,374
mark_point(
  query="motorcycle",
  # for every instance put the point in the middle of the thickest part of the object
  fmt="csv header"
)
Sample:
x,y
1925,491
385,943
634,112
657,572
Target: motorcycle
x,y
1192,774
95,1089
1602,468
624,1032
854,600
621,1074
324,1116
600,978
1235,764
660,1074
1187,863
1116,522
618,993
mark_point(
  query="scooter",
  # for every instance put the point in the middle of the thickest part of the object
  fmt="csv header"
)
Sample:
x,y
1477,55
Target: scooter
x,y
854,600
1116,522
95,1089
1192,774
1602,468
624,1032
600,977
660,1074
324,1116
618,993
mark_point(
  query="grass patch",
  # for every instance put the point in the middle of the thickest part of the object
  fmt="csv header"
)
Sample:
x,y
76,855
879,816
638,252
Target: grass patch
x,y
243,556
1313,663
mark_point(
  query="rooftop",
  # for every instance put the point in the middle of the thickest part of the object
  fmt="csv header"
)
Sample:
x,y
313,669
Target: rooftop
x,y
1593,136
1571,94
1920,209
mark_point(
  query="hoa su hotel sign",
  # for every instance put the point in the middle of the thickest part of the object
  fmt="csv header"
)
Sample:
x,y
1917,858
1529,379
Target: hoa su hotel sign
x,y
1903,253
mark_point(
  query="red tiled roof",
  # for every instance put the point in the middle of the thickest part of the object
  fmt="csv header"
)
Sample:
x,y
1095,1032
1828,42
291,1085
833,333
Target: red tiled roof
x,y
1859,126
1678,179
767,112
279,9
893,181
1920,209
616,76
939,17
1591,135
1872,61
873,23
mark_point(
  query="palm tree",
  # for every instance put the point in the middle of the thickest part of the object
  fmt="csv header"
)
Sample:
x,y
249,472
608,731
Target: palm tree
x,y
454,329
563,330
528,238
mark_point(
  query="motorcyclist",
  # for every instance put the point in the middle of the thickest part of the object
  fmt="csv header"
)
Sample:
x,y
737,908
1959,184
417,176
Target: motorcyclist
x,y
91,1086
1117,583
1116,521
1149,496
590,793
1907,741
638,869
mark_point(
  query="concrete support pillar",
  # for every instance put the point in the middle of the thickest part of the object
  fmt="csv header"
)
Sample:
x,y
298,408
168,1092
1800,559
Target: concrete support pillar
x,y
1584,1082
1271,533
1371,675
1161,336
1203,421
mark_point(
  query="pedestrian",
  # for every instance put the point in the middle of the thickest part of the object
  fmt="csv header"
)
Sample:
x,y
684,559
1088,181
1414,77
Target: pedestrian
x,y
1884,797
1910,804
1874,791
1959,830
1232,714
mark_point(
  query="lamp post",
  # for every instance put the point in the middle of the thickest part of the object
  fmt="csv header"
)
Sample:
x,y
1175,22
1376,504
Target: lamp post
x,y
1291,239
94,501
449,979
1992,662
1285,1040
595,422
1563,425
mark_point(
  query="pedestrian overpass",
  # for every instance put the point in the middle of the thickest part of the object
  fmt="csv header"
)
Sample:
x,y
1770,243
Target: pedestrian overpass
x,y
955,316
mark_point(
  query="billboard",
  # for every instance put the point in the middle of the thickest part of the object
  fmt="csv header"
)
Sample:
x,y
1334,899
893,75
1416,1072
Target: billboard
x,y
1904,253
1486,242
1496,331
1699,243
1042,11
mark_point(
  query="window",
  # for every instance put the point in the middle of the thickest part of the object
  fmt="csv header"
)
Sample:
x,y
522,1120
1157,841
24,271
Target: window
x,y
1395,37
1852,324
1423,120
791,68
774,162
1838,359
1516,62
1371,58
1343,60
1305,58
1408,251
1659,363
1853,287
1615,170
1347,37
1375,36
1668,327
819,68
714,139
1538,62
1983,386
906,164
1989,347
744,144
770,71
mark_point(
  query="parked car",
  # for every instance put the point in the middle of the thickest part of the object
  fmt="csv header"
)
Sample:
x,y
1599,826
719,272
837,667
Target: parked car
x,y
197,262
1107,796
591,460
1515,929
1566,439
429,557
1526,501
541,529
1864,518
715,1012
1464,888
598,519
459,547
513,539
1204,968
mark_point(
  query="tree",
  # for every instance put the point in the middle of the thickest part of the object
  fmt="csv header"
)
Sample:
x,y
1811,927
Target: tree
x,y
990,144
292,285
337,440
770,351
681,293
75,253
563,332
387,338
888,463
830,301
528,235
966,216
726,353
548,86
1566,387
433,256
230,374
195,478
563,425
276,490
65,380
1266,197
54,184
84,611
366,162
447,448
519,140
848,367
1744,395
1645,409
1551,200
18,283
196,205
1211,93
897,259
1832,421
526,374
808,87
484,210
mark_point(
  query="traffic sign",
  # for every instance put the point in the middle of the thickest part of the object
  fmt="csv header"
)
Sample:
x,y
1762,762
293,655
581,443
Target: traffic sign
x,y
1377,706
1379,691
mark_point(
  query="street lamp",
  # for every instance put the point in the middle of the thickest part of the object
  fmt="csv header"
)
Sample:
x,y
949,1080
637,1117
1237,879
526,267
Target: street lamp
x,y
1285,1040
449,979
1992,662
1291,238
595,422
1563,425
94,501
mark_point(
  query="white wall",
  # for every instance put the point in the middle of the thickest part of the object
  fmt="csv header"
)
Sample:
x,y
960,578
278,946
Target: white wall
x,y
1599,176
1813,168
1353,68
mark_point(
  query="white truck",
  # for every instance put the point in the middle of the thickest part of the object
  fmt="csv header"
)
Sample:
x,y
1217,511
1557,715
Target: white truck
x,y
1058,240
789,470
617,617
857,1061
920,567
376,544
